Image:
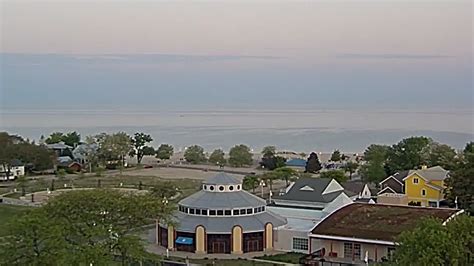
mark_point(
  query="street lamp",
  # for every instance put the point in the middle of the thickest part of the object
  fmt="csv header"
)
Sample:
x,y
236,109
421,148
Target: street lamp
x,y
157,226
262,184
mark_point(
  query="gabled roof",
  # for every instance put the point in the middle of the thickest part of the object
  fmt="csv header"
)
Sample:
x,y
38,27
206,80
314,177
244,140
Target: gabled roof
x,y
223,179
398,176
378,222
384,191
16,162
353,187
434,173
323,190
58,146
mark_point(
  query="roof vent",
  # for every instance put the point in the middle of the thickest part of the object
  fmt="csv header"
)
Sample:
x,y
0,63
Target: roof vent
x,y
307,188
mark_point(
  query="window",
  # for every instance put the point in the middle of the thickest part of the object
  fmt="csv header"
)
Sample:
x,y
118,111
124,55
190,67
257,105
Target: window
x,y
212,212
186,210
236,212
227,213
352,250
423,192
191,211
300,243
205,187
256,210
263,208
415,180
220,212
249,211
242,211
211,188
198,211
231,188
221,188
204,212
238,187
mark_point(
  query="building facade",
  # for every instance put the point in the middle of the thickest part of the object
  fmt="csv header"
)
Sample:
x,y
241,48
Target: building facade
x,y
221,218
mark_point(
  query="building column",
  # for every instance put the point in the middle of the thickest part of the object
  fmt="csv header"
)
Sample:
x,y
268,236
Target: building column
x,y
268,237
171,237
237,239
200,240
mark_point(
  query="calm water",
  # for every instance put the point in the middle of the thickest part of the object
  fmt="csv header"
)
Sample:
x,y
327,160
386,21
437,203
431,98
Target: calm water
x,y
350,130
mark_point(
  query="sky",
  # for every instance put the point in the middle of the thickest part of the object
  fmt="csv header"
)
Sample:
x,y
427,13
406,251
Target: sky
x,y
396,54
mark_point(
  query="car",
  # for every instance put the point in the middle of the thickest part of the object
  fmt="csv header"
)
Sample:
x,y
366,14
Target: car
x,y
147,166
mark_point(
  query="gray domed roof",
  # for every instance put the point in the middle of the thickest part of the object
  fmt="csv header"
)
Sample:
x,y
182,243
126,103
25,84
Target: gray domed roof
x,y
223,179
253,223
209,200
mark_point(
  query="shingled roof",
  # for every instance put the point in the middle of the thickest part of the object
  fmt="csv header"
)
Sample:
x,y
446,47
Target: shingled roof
x,y
376,221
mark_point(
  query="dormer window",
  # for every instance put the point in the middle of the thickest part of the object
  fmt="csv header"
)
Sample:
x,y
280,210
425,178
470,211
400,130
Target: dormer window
x,y
415,180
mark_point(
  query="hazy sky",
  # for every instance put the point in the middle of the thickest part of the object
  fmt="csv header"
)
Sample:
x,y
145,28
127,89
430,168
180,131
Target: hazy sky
x,y
362,53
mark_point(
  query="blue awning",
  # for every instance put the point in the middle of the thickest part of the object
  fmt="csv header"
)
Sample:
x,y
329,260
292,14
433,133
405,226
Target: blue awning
x,y
184,240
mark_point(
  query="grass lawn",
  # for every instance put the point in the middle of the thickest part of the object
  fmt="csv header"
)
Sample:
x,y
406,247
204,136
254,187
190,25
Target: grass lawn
x,y
7,214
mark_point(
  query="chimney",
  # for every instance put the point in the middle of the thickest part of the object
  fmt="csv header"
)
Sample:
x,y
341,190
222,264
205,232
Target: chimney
x,y
424,167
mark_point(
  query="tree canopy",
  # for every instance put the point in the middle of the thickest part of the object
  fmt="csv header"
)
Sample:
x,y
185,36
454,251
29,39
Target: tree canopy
x,y
461,181
140,148
82,227
195,154
313,165
70,138
432,243
240,155
409,153
114,146
338,175
217,157
164,152
336,156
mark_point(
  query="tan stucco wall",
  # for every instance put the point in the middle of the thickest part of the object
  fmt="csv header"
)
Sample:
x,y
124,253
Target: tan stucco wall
x,y
237,240
200,240
387,199
170,237
268,236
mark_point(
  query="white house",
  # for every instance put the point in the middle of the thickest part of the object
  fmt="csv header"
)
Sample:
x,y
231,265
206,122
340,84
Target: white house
x,y
17,168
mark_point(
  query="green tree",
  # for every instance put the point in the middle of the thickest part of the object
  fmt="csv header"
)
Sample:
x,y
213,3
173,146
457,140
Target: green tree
x,y
431,243
272,163
61,173
250,182
55,137
376,152
351,168
338,175
114,147
373,172
286,173
164,152
83,227
240,155
409,153
460,182
336,156
33,240
269,178
195,154
442,155
269,151
140,148
217,157
71,139
313,165
164,190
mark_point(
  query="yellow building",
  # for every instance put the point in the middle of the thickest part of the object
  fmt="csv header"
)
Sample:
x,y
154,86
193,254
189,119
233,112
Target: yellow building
x,y
425,187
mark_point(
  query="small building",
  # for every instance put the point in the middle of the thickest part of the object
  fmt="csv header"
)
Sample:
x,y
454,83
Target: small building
x,y
221,218
357,189
61,149
12,171
394,183
358,230
426,186
296,163
304,204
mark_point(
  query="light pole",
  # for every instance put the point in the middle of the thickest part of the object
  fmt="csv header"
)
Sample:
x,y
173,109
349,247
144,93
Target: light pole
x,y
157,225
262,184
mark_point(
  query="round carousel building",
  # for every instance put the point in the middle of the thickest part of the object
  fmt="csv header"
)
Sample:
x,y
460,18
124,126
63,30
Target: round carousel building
x,y
221,218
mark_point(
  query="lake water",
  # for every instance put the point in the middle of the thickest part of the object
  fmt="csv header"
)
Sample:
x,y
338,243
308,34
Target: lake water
x,y
300,129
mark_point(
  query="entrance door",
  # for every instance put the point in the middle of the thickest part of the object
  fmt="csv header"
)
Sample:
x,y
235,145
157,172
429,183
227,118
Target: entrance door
x,y
253,245
219,247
